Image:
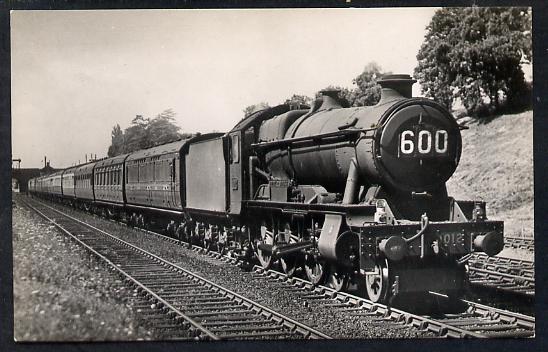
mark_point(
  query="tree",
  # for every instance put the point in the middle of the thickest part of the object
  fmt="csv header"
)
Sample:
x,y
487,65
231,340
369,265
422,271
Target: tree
x,y
344,95
145,133
255,107
162,129
117,138
368,91
475,54
136,135
299,99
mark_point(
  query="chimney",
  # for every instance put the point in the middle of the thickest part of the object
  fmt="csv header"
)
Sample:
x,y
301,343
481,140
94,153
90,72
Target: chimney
x,y
396,86
330,99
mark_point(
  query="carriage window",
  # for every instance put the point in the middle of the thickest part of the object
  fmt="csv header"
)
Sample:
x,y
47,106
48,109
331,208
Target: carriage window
x,y
235,148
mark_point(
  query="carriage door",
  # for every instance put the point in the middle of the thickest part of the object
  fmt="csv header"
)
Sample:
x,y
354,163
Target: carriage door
x,y
235,182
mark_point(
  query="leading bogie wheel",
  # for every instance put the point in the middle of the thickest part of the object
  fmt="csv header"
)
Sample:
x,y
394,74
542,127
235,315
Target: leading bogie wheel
x,y
337,279
377,283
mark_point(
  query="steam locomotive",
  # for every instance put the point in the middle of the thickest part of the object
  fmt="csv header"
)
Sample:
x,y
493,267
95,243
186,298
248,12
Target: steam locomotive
x,y
342,195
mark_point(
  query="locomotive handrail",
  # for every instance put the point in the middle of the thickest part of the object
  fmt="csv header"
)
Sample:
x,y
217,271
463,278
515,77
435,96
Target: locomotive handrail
x,y
424,224
343,134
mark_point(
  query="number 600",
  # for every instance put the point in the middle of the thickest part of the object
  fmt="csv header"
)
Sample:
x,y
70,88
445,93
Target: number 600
x,y
423,141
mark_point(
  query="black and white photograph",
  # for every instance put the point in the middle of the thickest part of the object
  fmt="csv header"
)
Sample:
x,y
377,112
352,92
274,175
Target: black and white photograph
x,y
199,175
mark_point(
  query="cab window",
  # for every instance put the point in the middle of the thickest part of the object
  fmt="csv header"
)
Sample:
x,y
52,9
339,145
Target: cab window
x,y
235,148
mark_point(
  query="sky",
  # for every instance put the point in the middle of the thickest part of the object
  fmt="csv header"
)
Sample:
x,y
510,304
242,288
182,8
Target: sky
x,y
75,74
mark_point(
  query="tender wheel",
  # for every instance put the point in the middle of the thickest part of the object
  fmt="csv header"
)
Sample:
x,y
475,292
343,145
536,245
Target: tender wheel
x,y
267,237
337,280
141,221
377,283
206,244
314,269
222,238
170,228
132,222
289,263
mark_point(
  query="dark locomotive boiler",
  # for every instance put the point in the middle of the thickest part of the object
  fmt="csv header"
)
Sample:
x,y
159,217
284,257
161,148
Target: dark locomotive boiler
x,y
370,181
340,195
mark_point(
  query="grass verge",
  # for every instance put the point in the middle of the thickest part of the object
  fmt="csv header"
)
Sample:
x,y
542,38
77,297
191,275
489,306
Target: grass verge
x,y
61,293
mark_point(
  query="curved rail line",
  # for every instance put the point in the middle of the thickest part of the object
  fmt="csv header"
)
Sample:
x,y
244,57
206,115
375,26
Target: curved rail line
x,y
206,310
504,274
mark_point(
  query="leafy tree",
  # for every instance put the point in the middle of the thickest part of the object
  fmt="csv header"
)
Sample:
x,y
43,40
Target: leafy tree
x,y
117,138
367,92
136,135
255,107
145,133
162,129
299,99
344,95
475,54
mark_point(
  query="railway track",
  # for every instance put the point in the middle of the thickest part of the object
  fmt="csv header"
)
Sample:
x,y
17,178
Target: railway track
x,y
202,309
525,243
503,274
476,320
